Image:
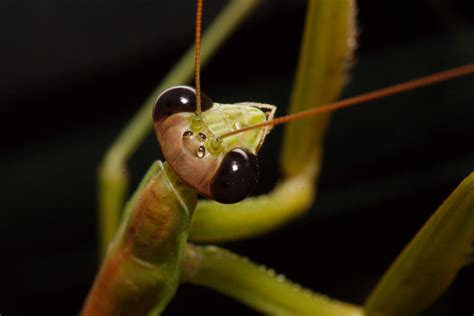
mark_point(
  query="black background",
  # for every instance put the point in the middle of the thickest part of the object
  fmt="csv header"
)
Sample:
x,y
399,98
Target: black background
x,y
73,73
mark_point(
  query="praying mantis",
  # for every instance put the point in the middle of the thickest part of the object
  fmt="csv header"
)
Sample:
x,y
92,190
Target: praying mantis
x,y
294,191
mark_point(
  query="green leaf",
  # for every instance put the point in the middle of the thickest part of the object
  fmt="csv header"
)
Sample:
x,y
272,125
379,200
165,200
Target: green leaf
x,y
431,260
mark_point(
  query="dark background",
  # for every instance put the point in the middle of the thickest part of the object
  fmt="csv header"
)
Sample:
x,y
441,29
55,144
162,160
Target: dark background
x,y
73,73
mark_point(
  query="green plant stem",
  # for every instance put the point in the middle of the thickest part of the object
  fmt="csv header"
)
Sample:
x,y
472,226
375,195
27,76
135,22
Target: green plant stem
x,y
113,179
256,286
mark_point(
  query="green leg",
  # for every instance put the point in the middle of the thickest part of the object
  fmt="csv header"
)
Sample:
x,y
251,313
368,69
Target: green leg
x,y
214,222
255,285
113,179
327,46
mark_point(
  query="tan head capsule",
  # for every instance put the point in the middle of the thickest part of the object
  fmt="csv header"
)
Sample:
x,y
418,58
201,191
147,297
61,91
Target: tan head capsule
x,y
223,170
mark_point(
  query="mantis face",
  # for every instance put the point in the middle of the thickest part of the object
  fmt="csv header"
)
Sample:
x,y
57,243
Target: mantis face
x,y
223,169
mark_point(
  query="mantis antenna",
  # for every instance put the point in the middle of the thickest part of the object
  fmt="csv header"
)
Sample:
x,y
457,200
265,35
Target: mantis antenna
x,y
374,95
197,56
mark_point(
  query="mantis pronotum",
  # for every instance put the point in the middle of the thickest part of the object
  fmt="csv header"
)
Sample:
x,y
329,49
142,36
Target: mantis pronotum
x,y
154,299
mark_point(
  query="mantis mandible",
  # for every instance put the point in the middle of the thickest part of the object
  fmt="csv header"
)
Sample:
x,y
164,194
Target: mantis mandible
x,y
145,265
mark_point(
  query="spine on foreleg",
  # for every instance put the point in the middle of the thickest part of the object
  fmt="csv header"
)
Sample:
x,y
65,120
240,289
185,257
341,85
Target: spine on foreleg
x,y
140,272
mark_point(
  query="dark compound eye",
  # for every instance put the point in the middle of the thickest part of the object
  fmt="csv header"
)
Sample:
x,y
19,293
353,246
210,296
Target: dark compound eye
x,y
236,177
176,100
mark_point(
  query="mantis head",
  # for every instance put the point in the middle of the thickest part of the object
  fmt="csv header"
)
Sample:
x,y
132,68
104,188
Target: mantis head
x,y
223,169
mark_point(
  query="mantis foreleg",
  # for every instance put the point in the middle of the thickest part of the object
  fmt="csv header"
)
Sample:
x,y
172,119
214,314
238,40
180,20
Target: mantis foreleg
x,y
328,44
